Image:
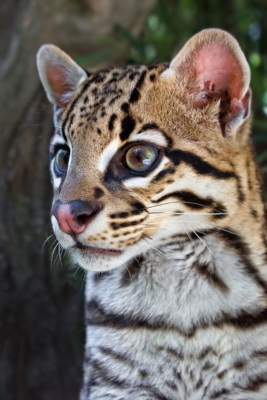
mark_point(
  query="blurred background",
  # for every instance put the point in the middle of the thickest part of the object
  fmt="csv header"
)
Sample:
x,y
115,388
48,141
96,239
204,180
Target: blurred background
x,y
41,293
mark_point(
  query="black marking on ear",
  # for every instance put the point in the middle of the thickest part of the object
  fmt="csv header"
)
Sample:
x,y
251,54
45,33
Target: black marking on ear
x,y
127,126
98,193
135,93
200,166
111,122
125,107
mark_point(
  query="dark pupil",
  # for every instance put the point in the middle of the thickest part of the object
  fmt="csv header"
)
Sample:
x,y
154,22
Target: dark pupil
x,y
62,160
140,158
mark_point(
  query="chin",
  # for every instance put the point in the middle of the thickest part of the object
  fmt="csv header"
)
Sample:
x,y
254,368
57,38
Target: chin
x,y
97,261
100,260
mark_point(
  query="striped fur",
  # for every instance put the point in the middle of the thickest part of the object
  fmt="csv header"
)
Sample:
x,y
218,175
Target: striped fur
x,y
176,303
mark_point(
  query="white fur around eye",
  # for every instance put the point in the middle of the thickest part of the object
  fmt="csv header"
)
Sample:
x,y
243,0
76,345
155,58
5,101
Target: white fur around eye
x,y
57,139
107,154
150,136
56,180
143,181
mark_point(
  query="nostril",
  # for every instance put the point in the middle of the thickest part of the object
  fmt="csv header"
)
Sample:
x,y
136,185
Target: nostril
x,y
74,216
84,212
82,219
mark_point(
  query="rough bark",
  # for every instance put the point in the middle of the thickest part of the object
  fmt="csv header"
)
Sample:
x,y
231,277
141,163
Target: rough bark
x,y
40,308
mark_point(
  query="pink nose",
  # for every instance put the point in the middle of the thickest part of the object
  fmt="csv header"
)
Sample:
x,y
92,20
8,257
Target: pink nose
x,y
73,217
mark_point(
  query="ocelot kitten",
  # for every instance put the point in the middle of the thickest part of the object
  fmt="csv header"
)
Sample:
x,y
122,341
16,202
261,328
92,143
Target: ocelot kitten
x,y
157,195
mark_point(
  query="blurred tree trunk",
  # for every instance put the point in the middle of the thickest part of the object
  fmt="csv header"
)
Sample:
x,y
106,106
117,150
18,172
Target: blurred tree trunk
x,y
40,309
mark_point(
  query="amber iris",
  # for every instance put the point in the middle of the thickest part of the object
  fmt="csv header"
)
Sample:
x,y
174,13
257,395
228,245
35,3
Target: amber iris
x,y
62,161
140,158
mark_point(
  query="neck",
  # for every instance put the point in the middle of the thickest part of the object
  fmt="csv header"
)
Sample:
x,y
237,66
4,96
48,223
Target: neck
x,y
208,279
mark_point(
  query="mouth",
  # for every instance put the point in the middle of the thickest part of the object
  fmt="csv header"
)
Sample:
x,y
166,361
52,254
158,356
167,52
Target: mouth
x,y
98,251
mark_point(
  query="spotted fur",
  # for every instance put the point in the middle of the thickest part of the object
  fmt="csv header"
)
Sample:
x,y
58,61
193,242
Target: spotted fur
x,y
176,304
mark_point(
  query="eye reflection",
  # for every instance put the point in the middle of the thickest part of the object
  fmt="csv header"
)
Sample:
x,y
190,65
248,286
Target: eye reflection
x,y
62,161
140,158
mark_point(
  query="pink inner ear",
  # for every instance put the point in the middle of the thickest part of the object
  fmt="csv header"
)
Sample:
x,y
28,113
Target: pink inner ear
x,y
218,71
59,84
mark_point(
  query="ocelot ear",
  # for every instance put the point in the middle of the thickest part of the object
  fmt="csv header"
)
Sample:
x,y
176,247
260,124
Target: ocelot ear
x,y
212,67
60,76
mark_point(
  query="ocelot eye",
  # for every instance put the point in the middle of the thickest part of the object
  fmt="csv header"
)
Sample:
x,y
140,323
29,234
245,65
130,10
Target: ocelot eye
x,y
140,158
62,161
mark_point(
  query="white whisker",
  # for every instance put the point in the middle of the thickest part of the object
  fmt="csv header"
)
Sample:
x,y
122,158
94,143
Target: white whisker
x,y
205,244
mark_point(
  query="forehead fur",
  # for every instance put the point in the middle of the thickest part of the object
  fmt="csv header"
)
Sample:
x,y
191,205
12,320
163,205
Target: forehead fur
x,y
120,101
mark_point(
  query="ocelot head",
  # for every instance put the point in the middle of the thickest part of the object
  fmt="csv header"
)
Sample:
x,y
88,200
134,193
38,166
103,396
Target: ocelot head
x,y
145,155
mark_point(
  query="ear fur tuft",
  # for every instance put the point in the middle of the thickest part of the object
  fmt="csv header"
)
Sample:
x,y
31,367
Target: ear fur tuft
x,y
59,74
214,68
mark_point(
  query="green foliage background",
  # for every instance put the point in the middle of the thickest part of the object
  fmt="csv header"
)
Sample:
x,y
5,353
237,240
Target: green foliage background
x,y
173,22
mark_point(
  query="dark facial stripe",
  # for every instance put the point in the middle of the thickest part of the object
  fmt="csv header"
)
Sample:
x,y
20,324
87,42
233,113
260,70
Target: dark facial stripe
x,y
148,127
111,122
211,276
135,93
188,198
127,126
195,202
97,78
163,173
200,166
239,246
116,226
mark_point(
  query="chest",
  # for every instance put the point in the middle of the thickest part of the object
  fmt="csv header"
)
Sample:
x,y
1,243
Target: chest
x,y
212,363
